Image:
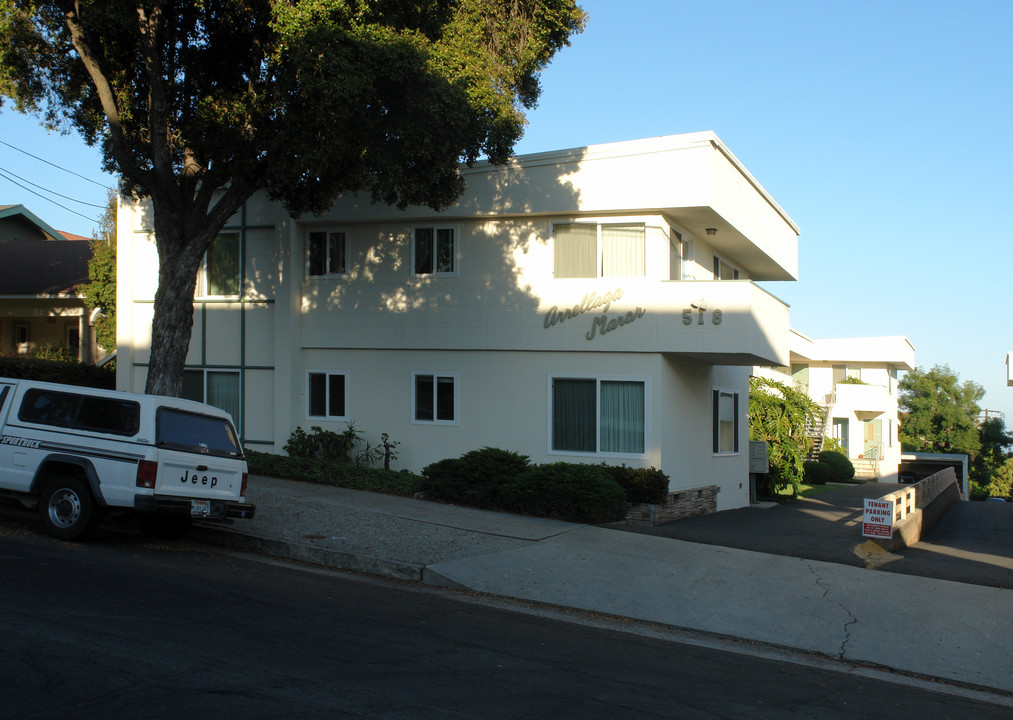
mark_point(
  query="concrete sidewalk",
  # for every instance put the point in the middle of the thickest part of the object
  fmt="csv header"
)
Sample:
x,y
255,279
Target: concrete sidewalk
x,y
945,630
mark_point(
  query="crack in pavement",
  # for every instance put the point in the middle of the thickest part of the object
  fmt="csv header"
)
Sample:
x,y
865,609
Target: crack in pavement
x,y
847,625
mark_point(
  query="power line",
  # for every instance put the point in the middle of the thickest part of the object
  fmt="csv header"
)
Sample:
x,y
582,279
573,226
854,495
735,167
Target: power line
x,y
25,152
33,192
51,192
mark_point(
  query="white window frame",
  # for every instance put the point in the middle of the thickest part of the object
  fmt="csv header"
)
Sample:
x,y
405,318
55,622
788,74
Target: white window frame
x,y
327,232
436,376
328,374
599,260
716,394
598,380
688,257
456,254
202,291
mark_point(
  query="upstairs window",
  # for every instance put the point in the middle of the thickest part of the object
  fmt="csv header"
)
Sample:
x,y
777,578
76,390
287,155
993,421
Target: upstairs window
x,y
218,275
590,250
724,270
434,251
326,252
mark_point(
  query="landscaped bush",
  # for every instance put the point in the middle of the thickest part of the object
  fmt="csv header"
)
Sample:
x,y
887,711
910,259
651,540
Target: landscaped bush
x,y
841,467
71,373
642,485
323,444
565,491
334,472
817,473
476,478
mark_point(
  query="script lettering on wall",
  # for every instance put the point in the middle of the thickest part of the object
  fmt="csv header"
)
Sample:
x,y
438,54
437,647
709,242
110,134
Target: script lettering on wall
x,y
592,302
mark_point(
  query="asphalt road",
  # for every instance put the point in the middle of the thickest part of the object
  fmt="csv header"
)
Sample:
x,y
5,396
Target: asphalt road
x,y
972,542
126,627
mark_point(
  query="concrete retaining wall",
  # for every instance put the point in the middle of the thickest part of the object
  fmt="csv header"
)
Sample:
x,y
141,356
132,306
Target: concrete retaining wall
x,y
679,504
918,507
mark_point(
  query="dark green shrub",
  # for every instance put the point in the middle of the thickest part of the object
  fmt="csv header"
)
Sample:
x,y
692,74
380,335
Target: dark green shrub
x,y
324,444
817,473
25,368
641,485
566,491
476,478
334,472
841,467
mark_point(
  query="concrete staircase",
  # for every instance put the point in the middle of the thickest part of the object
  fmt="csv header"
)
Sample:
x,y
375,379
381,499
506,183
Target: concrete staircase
x,y
866,468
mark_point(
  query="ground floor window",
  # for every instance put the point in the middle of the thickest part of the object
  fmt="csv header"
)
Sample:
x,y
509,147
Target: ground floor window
x,y
434,398
325,395
596,415
726,421
219,388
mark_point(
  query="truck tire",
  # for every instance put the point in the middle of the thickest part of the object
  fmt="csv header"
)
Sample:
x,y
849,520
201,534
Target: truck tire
x,y
68,509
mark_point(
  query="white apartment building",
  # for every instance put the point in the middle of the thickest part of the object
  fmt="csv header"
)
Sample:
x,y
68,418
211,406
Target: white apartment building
x,y
588,305
854,381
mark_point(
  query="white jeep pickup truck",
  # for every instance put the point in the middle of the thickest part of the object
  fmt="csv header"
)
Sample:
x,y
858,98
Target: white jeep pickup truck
x,y
76,452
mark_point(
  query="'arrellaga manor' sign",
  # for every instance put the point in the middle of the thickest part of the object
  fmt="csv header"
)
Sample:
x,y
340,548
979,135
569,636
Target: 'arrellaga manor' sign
x,y
602,323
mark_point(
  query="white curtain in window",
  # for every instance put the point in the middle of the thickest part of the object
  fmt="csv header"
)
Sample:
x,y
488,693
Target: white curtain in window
x,y
622,416
622,250
223,392
575,250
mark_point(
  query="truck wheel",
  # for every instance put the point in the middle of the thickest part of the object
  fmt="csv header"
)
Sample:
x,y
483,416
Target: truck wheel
x,y
68,509
164,527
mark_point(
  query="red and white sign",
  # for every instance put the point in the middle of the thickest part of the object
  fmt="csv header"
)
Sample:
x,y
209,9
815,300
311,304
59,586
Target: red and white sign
x,y
878,518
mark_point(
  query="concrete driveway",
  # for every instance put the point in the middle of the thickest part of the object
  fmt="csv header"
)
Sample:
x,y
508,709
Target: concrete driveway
x,y
971,543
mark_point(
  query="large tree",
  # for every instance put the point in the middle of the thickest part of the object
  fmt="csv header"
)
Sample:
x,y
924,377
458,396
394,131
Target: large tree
x,y
938,413
100,293
199,104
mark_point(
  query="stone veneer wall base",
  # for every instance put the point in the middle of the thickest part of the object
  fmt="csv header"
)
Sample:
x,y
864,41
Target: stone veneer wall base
x,y
679,504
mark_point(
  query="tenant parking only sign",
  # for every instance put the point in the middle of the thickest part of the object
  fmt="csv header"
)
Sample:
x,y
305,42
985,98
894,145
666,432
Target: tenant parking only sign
x,y
878,521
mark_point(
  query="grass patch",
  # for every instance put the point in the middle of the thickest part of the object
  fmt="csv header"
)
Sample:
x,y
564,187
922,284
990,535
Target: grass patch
x,y
807,490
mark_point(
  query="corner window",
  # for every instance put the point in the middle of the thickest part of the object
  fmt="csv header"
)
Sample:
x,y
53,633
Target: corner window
x,y
595,415
434,251
434,398
326,252
726,422
724,270
590,250
218,388
218,275
325,395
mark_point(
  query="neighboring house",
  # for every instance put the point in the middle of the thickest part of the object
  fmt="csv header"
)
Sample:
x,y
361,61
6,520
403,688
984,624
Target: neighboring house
x,y
589,305
854,381
41,270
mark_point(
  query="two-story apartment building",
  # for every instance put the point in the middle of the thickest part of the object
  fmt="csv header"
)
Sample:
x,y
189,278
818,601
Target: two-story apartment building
x,y
854,381
589,305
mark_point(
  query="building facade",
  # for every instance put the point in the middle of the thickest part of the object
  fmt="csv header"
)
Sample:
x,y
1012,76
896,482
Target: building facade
x,y
591,305
855,382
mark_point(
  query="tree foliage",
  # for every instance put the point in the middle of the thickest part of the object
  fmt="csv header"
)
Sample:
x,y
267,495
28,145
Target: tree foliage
x,y
778,415
101,291
199,104
938,413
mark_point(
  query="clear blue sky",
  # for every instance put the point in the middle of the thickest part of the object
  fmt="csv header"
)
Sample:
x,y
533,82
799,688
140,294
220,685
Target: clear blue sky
x,y
882,128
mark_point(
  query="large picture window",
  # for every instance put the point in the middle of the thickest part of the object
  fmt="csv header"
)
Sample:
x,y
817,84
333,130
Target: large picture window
x,y
596,415
326,252
219,273
434,398
434,251
325,395
219,388
590,250
726,421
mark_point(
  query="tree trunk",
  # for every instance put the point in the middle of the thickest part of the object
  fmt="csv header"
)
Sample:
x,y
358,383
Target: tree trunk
x,y
172,324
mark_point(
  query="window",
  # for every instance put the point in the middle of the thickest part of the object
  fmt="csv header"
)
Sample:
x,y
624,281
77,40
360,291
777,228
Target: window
x,y
21,336
841,432
590,250
434,398
594,415
434,251
726,422
219,388
842,372
81,412
724,270
326,252
325,395
219,272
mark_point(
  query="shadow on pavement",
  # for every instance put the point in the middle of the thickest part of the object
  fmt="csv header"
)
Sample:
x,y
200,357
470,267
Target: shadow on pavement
x,y
971,543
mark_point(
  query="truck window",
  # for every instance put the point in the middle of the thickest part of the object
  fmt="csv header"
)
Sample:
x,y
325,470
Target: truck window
x,y
80,412
191,432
